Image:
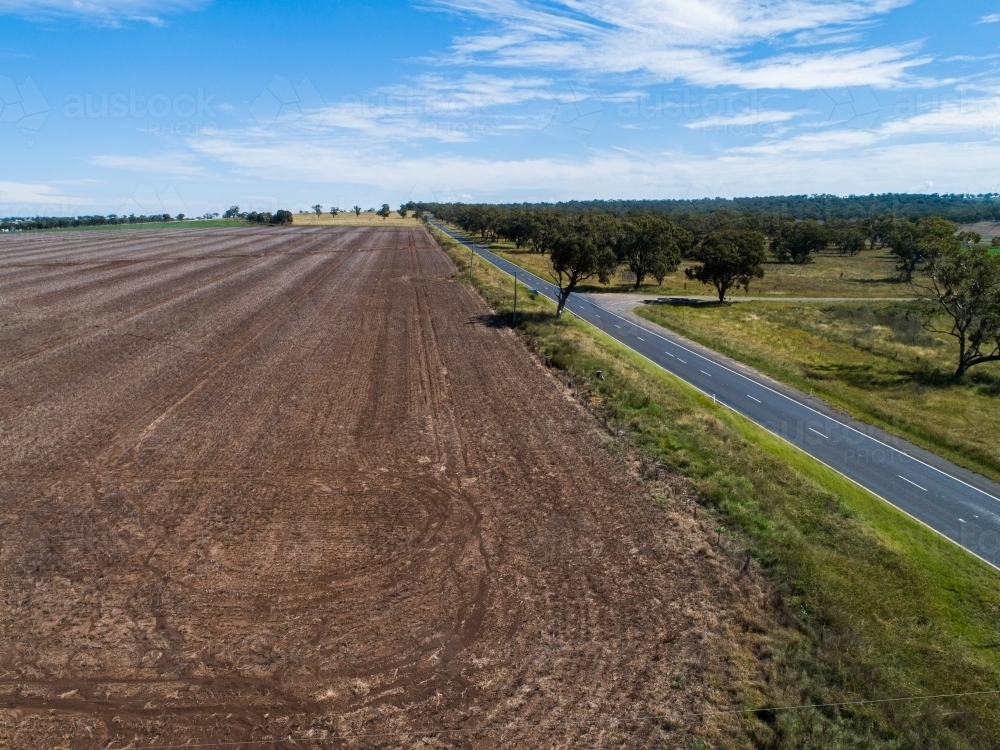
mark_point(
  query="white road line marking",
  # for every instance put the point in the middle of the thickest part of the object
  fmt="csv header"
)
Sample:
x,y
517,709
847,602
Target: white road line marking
x,y
681,360
754,399
641,338
669,354
911,482
707,373
962,520
825,437
617,326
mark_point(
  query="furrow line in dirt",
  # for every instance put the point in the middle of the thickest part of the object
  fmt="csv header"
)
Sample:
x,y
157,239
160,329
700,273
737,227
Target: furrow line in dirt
x,y
284,554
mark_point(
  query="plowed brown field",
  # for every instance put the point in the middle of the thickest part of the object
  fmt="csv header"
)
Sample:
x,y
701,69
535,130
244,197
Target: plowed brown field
x,y
261,484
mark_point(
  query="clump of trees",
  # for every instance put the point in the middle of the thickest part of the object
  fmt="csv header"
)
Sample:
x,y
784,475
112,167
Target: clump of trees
x,y
281,217
384,211
646,244
594,245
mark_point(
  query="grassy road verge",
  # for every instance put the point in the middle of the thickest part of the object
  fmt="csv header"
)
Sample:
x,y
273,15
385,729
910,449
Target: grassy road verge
x,y
872,605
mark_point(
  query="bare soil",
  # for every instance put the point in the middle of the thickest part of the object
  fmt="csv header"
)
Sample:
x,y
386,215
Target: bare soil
x,y
270,484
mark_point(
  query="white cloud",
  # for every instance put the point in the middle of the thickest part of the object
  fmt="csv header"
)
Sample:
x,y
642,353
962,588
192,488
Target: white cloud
x,y
433,94
745,118
839,161
179,164
37,199
11,192
105,12
430,107
703,42
991,18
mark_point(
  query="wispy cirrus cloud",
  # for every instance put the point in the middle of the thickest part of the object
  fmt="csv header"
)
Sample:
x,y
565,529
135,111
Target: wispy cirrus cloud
x,y
749,43
991,18
103,12
181,164
429,106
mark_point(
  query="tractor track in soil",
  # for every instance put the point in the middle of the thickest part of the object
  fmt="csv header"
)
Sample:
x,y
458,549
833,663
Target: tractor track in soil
x,y
317,493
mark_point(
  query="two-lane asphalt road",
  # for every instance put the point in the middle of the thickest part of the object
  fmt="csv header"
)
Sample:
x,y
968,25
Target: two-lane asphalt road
x,y
956,503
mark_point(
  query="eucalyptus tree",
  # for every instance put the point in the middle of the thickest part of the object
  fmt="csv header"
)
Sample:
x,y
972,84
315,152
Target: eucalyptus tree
x,y
728,258
577,254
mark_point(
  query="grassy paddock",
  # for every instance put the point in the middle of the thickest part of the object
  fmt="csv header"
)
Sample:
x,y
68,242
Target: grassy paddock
x,y
869,274
871,605
874,360
347,218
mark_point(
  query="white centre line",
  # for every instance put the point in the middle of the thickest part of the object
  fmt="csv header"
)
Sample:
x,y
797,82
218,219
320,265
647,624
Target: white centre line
x,y
641,338
669,354
617,326
753,399
707,373
962,520
681,360
825,437
910,482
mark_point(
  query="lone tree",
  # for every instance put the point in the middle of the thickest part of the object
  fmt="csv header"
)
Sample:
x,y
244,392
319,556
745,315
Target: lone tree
x,y
384,211
646,244
357,210
318,209
231,213
963,284
729,257
402,211
334,211
578,254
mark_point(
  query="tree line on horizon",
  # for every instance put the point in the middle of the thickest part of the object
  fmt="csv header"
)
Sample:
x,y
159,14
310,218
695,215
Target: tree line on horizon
x,y
962,208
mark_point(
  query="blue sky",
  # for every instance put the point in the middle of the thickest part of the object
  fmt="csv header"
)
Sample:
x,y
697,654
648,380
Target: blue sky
x,y
186,106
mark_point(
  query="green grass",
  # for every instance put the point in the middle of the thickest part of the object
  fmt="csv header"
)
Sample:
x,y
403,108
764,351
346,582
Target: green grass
x,y
876,361
872,604
869,274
